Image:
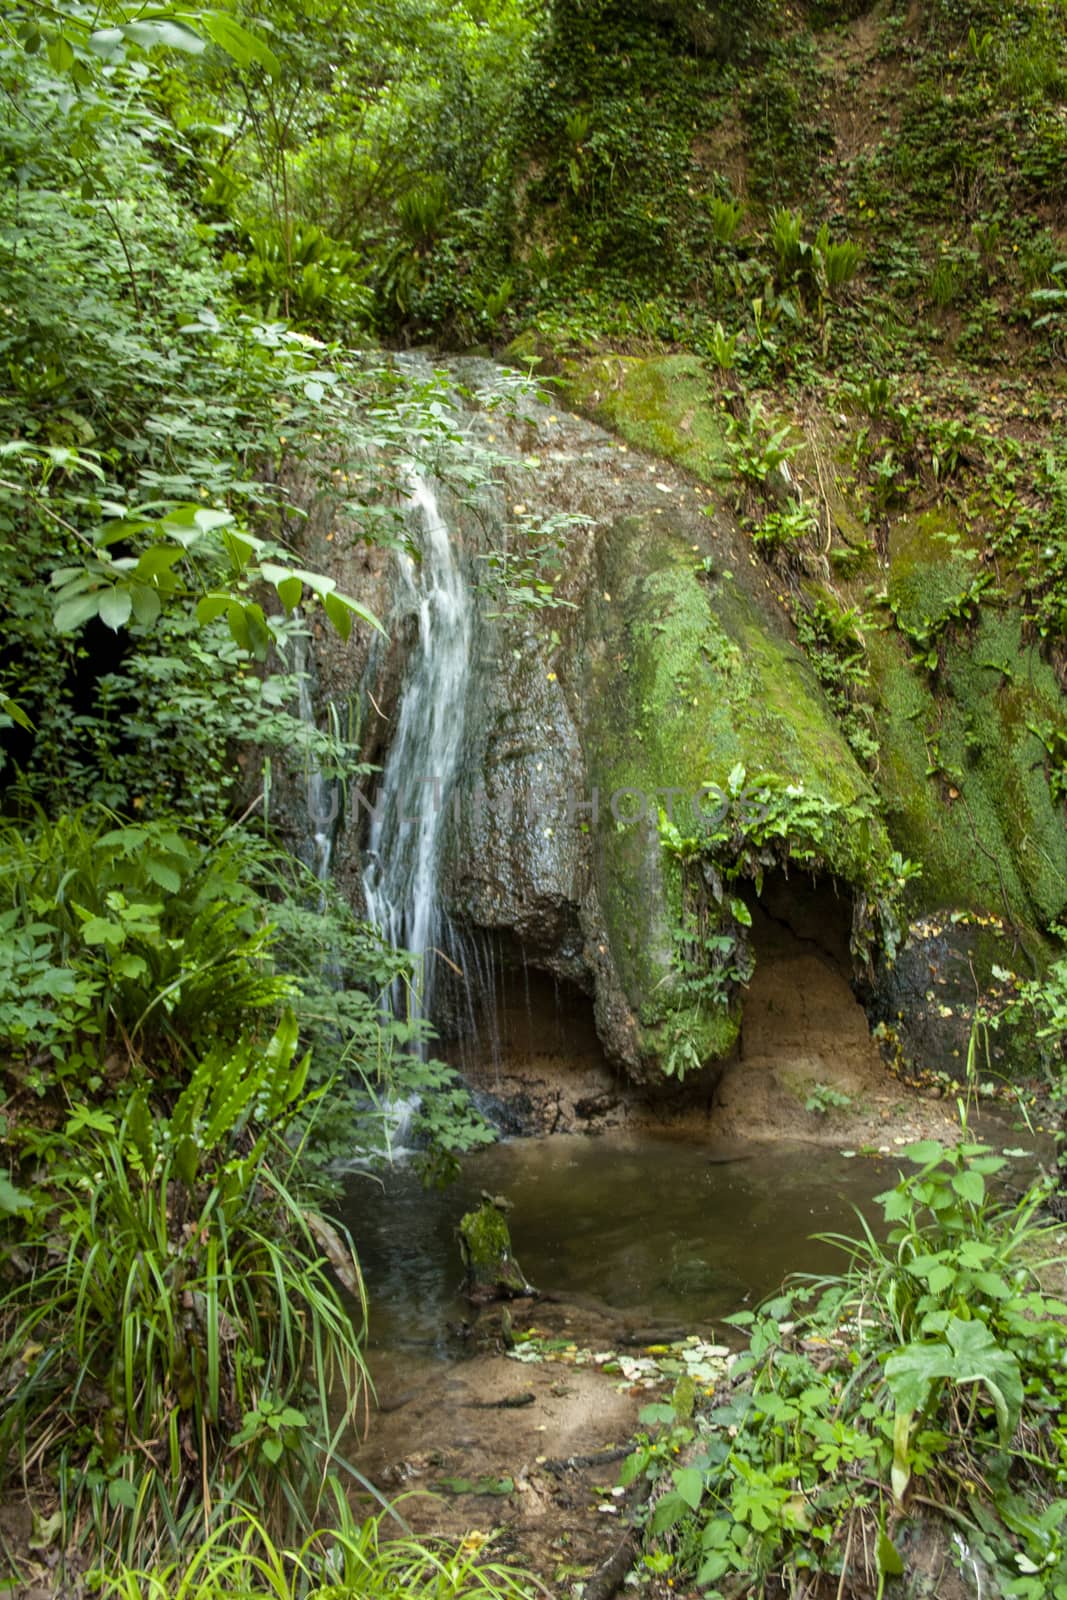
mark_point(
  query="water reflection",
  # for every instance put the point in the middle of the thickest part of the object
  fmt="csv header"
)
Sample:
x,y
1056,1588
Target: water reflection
x,y
647,1225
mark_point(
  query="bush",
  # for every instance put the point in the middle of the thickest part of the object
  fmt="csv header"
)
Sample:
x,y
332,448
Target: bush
x,y
126,935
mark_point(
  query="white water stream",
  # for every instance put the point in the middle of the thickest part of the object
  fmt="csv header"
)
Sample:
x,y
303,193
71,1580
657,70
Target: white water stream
x,y
321,794
403,853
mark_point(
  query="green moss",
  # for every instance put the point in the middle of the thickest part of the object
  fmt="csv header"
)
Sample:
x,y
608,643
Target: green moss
x,y
690,679
962,775
660,403
928,567
485,1244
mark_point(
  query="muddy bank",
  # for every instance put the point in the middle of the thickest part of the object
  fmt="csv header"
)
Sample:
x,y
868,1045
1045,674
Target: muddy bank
x,y
531,1449
804,1065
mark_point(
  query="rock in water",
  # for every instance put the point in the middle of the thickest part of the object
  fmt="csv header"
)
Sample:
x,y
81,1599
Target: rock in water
x,y
485,1245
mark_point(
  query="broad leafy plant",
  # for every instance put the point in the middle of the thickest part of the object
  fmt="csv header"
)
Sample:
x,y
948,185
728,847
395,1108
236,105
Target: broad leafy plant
x,y
928,1375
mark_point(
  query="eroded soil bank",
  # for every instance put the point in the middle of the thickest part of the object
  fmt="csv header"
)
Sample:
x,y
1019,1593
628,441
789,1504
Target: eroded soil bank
x,y
804,1066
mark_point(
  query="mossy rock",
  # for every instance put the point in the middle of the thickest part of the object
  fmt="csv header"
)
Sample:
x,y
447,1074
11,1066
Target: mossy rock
x,y
690,677
662,404
492,1272
963,775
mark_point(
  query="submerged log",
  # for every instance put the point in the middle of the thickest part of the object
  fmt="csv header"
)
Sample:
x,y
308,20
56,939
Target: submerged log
x,y
492,1273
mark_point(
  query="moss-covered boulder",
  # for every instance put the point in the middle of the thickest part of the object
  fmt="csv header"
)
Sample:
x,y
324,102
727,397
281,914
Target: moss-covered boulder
x,y
967,705
656,403
693,687
491,1271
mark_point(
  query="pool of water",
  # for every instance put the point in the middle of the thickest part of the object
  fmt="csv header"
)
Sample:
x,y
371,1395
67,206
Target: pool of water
x,y
661,1230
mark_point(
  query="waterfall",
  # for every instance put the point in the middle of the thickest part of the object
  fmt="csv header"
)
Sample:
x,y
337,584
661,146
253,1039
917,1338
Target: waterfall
x,y
320,793
411,810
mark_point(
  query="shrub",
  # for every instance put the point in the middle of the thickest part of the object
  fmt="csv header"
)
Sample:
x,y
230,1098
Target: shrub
x,y
128,934
930,1374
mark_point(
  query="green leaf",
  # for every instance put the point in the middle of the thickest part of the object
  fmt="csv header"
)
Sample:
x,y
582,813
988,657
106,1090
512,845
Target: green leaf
x,y
86,1117
633,1466
317,581
970,1355
202,519
339,615
235,616
671,1509
241,46
895,1203
11,1199
163,32
239,549
187,1159
115,606
158,558
139,1126
146,604
127,966
900,1474
161,873
890,1564
60,53
741,913
70,614
970,1186
689,1483
290,591
101,930
272,1449
258,632
210,606
937,1274
273,573
923,1152
980,1359
658,1411
336,603
16,713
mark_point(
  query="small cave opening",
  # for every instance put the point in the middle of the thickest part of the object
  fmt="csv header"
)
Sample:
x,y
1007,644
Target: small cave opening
x,y
522,1037
800,1002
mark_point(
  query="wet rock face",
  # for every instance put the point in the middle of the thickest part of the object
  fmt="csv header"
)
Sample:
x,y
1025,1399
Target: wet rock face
x,y
670,664
517,860
943,973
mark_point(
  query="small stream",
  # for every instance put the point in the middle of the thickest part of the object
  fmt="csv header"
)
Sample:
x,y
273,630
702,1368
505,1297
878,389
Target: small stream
x,y
645,1224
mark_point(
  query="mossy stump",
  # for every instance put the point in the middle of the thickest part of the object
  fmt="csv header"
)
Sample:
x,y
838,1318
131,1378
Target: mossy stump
x,y
492,1273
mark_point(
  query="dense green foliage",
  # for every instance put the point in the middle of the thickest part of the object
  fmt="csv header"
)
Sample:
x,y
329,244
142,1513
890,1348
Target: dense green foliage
x,y
180,1324
926,1378
848,223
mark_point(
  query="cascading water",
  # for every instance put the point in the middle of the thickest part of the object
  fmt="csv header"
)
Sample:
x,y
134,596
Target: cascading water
x,y
322,797
412,806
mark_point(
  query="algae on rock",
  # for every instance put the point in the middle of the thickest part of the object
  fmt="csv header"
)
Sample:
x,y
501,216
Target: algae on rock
x,y
689,679
492,1273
